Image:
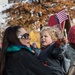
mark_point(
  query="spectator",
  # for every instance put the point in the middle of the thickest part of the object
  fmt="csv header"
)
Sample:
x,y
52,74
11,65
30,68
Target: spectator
x,y
17,57
52,54
71,47
36,49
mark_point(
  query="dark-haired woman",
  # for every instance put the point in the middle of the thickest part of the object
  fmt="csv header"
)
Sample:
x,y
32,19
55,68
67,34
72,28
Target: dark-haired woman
x,y
17,57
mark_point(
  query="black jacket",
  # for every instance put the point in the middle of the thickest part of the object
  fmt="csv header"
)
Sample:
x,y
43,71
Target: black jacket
x,y
23,62
51,56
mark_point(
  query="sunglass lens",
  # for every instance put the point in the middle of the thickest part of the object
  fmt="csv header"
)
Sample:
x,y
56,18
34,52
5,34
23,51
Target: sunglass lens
x,y
26,35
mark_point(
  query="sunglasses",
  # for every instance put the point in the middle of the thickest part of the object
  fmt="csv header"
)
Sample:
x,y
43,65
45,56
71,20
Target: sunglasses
x,y
24,36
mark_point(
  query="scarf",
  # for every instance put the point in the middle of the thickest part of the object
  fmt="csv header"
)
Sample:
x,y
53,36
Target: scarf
x,y
13,48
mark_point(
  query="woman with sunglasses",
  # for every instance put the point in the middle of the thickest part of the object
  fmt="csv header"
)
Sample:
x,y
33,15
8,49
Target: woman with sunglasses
x,y
17,57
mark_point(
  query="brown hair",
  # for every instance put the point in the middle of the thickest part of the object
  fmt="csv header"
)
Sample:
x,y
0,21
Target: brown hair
x,y
9,38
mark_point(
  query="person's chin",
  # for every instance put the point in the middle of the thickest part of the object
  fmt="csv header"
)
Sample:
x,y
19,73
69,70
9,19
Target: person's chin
x,y
28,45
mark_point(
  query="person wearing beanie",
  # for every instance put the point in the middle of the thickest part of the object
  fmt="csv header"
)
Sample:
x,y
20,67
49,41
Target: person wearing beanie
x,y
71,39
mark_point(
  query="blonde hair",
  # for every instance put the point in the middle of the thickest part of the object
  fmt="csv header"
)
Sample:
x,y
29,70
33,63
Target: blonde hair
x,y
54,32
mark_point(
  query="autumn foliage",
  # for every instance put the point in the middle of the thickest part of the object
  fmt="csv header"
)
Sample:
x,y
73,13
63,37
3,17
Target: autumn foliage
x,y
31,16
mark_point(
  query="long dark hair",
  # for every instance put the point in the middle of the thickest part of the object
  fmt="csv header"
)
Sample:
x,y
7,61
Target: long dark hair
x,y
9,38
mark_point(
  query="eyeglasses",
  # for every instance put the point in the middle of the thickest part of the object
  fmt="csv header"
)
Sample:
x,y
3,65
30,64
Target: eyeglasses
x,y
24,36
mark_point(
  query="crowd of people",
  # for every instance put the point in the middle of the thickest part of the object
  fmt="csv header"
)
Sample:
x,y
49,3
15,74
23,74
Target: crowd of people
x,y
55,57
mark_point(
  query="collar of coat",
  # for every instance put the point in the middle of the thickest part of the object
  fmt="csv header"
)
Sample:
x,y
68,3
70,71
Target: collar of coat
x,y
13,48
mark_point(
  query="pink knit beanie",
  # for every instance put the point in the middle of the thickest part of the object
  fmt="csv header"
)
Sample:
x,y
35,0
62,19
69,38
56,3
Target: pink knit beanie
x,y
71,35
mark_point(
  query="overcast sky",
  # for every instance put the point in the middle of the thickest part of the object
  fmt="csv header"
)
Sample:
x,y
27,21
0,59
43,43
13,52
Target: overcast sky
x,y
3,2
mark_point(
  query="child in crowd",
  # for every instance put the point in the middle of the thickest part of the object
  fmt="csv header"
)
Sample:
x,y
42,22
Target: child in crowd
x,y
53,50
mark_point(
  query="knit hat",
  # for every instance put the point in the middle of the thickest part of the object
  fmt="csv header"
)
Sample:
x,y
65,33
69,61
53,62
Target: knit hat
x,y
71,35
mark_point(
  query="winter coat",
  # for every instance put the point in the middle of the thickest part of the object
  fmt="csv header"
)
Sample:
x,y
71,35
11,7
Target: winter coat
x,y
53,57
71,53
21,61
72,57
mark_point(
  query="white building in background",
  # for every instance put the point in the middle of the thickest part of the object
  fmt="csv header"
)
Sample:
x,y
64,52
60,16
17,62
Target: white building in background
x,y
11,1
3,2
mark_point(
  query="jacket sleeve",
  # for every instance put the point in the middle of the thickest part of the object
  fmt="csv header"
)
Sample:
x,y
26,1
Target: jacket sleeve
x,y
58,52
63,53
